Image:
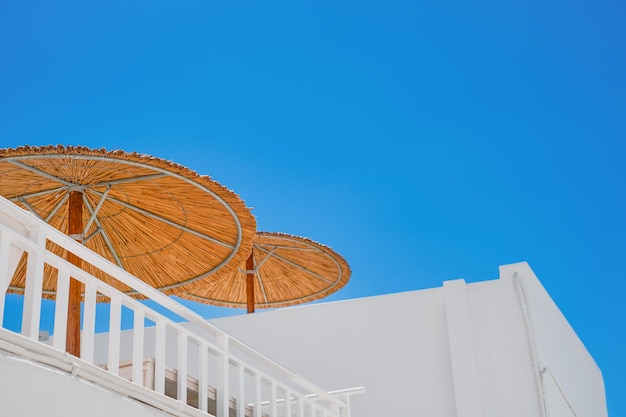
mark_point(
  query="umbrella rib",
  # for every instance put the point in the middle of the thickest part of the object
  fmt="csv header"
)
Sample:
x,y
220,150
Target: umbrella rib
x,y
285,247
315,274
29,207
88,238
58,206
166,221
256,268
39,193
40,172
105,236
127,180
258,276
97,209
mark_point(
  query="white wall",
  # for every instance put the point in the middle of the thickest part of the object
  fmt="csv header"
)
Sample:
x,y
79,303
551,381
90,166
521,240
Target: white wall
x,y
30,390
396,346
571,380
460,350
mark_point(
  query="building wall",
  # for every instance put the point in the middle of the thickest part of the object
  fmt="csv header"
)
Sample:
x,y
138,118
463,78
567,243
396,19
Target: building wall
x,y
28,389
571,380
486,349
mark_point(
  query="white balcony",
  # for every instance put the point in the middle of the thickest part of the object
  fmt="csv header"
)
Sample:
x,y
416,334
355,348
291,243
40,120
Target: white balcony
x,y
204,372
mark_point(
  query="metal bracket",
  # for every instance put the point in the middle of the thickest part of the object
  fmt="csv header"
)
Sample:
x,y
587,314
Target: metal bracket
x,y
77,236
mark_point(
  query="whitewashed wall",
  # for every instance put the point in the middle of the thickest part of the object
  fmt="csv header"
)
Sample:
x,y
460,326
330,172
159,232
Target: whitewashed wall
x,y
571,380
31,390
460,350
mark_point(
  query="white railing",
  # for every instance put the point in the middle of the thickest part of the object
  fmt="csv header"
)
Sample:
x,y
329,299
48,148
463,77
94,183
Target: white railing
x,y
206,360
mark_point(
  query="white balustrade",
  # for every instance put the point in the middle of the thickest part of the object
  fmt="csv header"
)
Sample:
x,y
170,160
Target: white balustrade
x,y
258,386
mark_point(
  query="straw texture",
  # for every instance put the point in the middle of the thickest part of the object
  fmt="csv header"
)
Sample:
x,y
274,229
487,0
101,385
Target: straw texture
x,y
289,270
158,220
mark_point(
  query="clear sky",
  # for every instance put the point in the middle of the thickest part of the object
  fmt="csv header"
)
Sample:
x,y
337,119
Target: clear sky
x,y
423,141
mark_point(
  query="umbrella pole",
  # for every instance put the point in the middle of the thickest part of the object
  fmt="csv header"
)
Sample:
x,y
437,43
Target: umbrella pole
x,y
74,229
250,282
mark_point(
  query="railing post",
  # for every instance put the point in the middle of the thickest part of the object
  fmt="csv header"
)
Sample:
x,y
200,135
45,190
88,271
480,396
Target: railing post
x,y
61,308
34,284
222,377
138,342
203,371
89,323
115,323
300,406
273,402
10,256
257,395
287,406
159,358
182,369
5,277
346,410
241,401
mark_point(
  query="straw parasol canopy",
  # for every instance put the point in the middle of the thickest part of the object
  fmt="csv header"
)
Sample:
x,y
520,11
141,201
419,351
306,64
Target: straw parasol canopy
x,y
285,270
158,220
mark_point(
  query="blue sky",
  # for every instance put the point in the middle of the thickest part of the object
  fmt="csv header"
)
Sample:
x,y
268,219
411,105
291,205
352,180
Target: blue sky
x,y
424,142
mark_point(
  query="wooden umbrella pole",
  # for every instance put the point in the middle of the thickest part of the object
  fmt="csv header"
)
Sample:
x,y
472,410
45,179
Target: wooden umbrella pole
x,y
250,282
74,229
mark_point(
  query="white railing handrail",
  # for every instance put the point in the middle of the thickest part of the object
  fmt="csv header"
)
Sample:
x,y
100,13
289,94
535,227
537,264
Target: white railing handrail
x,y
22,222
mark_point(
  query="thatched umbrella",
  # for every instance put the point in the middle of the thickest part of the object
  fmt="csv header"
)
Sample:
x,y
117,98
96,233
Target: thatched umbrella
x,y
282,270
160,221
